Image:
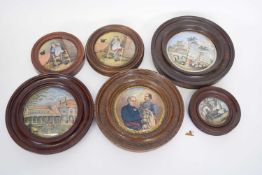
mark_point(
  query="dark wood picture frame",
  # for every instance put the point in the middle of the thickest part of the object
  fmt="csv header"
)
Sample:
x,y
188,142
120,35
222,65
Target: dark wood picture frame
x,y
111,70
221,94
31,142
71,70
105,116
192,80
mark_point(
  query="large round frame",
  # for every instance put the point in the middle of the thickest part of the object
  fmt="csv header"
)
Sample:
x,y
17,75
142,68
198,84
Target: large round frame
x,y
193,80
105,115
29,141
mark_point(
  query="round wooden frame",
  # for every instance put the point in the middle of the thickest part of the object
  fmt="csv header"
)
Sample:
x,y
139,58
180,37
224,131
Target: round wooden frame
x,y
110,70
145,141
27,140
71,70
234,110
192,80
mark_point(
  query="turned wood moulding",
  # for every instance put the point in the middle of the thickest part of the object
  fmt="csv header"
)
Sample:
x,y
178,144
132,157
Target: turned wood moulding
x,y
114,48
139,110
192,51
58,52
214,110
49,113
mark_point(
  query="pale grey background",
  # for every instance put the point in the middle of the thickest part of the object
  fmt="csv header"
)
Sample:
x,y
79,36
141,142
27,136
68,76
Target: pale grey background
x,y
239,152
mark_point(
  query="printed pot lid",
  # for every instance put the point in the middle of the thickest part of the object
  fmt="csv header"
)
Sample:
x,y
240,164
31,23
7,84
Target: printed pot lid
x,y
192,51
139,110
214,110
114,48
58,52
49,113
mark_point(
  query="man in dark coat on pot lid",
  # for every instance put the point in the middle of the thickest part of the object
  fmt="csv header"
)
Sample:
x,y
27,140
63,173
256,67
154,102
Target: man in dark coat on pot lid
x,y
130,114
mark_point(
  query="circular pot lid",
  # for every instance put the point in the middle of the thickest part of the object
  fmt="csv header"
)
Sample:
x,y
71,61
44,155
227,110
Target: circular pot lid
x,y
192,51
114,48
49,113
214,110
139,110
58,52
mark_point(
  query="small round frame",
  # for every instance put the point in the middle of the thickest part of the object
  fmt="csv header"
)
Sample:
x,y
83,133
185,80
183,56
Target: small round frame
x,y
49,113
58,52
128,124
192,51
214,110
114,48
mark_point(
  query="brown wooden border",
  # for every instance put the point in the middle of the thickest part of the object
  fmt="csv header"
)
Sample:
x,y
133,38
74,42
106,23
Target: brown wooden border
x,y
132,141
74,68
24,138
192,80
229,99
109,70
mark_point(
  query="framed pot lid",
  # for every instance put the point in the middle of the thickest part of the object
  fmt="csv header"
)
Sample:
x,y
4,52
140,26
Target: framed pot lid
x,y
139,110
58,52
114,48
214,110
192,51
49,113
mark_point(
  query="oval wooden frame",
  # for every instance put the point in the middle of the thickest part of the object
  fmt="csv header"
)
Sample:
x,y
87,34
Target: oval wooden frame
x,y
192,80
71,70
24,138
110,70
229,99
145,141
